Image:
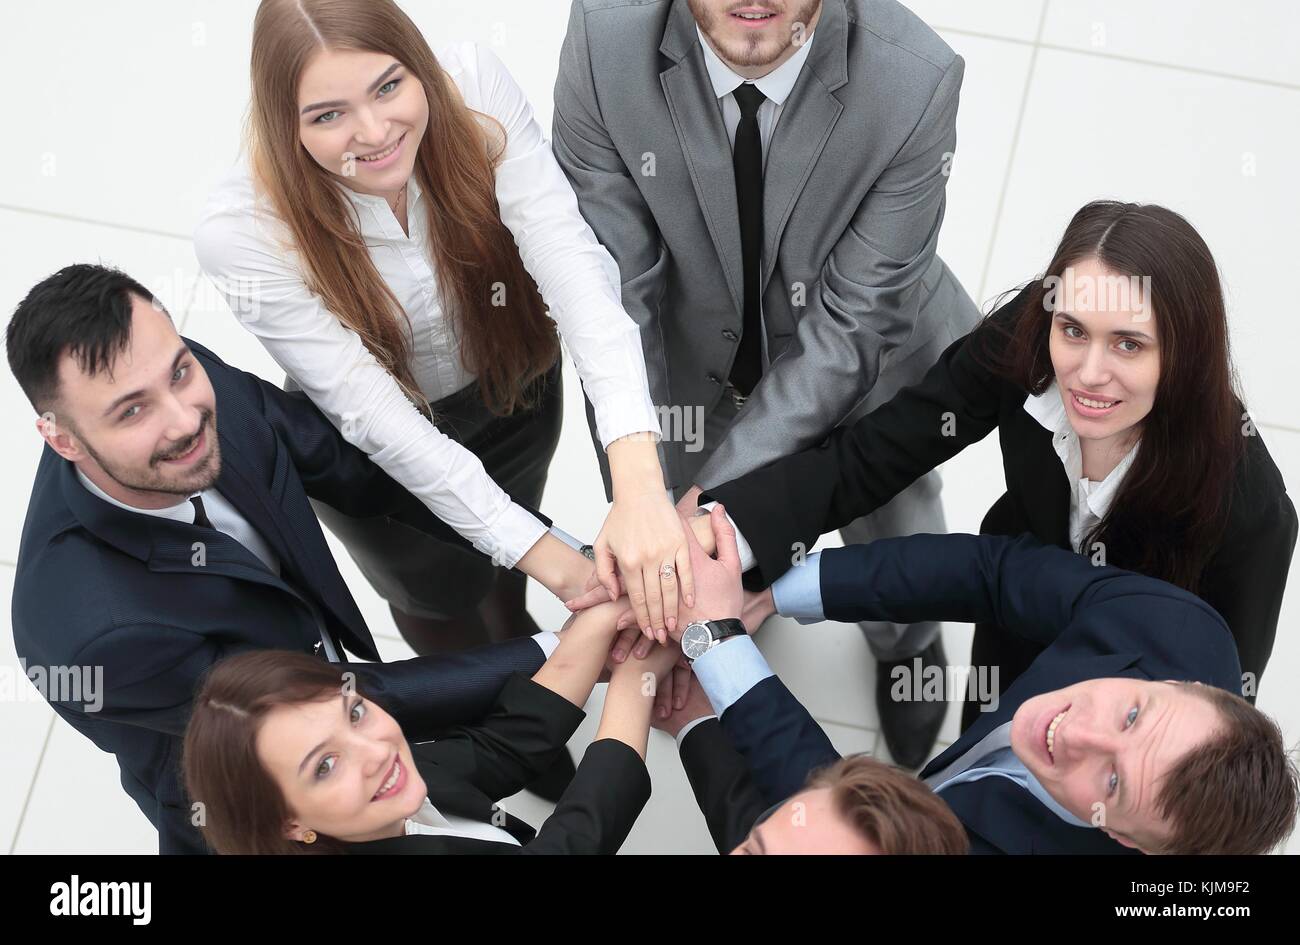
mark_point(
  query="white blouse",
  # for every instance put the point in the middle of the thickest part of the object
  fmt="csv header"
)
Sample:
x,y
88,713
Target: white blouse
x,y
430,821
1089,501
246,251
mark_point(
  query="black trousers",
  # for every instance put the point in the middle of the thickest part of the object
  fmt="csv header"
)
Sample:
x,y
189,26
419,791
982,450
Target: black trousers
x,y
420,575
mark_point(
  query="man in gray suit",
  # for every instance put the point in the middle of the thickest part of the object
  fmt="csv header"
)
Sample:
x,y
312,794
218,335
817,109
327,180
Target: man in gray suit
x,y
770,176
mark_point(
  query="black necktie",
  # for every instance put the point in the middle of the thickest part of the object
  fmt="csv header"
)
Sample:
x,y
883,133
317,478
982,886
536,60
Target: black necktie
x,y
200,516
747,161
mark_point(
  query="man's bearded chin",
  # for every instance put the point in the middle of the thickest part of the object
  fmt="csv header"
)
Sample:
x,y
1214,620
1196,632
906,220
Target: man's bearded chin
x,y
201,477
755,50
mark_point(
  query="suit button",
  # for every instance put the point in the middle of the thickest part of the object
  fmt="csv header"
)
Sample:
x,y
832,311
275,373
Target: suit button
x,y
714,379
729,334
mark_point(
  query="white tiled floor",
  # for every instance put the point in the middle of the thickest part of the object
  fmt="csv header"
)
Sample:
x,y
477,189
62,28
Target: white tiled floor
x,y
138,111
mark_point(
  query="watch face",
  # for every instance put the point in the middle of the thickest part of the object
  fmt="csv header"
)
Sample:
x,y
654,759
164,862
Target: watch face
x,y
696,640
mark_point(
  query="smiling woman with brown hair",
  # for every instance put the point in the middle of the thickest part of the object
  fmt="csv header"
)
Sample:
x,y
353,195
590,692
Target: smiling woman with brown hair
x,y
395,239
286,754
1110,383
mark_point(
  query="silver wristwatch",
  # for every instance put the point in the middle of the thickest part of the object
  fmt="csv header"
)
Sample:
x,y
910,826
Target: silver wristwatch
x,y
700,637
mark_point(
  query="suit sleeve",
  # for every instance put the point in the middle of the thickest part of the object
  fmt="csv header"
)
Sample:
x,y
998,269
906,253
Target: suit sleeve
x,y
600,805
723,788
334,471
150,673
865,304
609,198
1245,581
517,731
778,738
1029,589
858,469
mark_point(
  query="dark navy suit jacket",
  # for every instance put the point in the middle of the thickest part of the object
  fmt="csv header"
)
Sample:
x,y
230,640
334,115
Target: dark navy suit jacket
x,y
1094,622
98,586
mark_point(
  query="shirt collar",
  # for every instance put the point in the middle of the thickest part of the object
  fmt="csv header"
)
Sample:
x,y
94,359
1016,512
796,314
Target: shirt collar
x,y
776,85
1049,410
426,816
374,200
1006,761
182,511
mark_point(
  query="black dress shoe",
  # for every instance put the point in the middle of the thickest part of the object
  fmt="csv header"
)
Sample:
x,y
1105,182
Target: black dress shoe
x,y
551,783
910,725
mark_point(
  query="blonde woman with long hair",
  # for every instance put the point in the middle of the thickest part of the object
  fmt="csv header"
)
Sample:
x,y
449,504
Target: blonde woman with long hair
x,y
394,237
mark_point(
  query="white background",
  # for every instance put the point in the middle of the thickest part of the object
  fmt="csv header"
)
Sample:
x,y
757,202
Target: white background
x,y
120,117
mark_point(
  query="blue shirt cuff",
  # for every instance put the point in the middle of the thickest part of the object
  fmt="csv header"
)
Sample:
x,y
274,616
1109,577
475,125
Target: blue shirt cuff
x,y
798,592
730,670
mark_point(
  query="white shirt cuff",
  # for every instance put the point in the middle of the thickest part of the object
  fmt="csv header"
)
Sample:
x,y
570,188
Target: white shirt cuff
x,y
548,641
511,536
747,559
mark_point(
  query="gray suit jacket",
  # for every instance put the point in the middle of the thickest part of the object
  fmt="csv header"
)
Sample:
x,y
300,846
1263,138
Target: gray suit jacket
x,y
853,200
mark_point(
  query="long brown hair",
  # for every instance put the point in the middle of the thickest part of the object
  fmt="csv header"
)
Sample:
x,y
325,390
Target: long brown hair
x,y
1173,504
509,347
242,810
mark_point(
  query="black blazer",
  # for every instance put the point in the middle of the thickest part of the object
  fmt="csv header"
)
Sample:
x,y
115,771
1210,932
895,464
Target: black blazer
x,y
860,468
100,586
472,767
1094,622
723,788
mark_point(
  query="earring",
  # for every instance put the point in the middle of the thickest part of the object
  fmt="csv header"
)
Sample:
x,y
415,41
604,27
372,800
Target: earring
x,y
309,836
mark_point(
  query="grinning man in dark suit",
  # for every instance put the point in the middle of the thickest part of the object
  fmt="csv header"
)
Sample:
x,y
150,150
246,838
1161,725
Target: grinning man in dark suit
x,y
155,544
1125,734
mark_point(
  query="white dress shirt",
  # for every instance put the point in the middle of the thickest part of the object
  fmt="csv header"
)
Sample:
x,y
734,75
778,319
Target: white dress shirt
x,y
248,254
223,516
1089,501
776,86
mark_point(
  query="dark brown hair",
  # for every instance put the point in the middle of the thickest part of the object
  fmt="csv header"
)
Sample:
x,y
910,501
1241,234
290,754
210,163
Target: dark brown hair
x,y
892,810
243,809
1237,792
509,347
1170,511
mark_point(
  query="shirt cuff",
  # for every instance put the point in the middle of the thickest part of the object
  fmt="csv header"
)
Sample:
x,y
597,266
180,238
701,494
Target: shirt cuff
x,y
730,670
548,641
798,592
513,534
747,559
682,732
620,415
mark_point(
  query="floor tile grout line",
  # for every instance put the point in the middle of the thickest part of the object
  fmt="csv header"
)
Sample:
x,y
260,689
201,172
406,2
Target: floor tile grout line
x,y
31,788
1011,157
1195,70
73,218
1120,57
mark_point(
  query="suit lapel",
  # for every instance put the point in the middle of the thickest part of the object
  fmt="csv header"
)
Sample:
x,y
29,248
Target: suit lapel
x,y
453,796
262,503
697,118
807,119
1047,496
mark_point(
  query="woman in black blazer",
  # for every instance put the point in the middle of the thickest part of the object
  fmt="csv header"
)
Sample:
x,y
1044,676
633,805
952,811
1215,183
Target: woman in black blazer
x,y
1194,497
283,754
